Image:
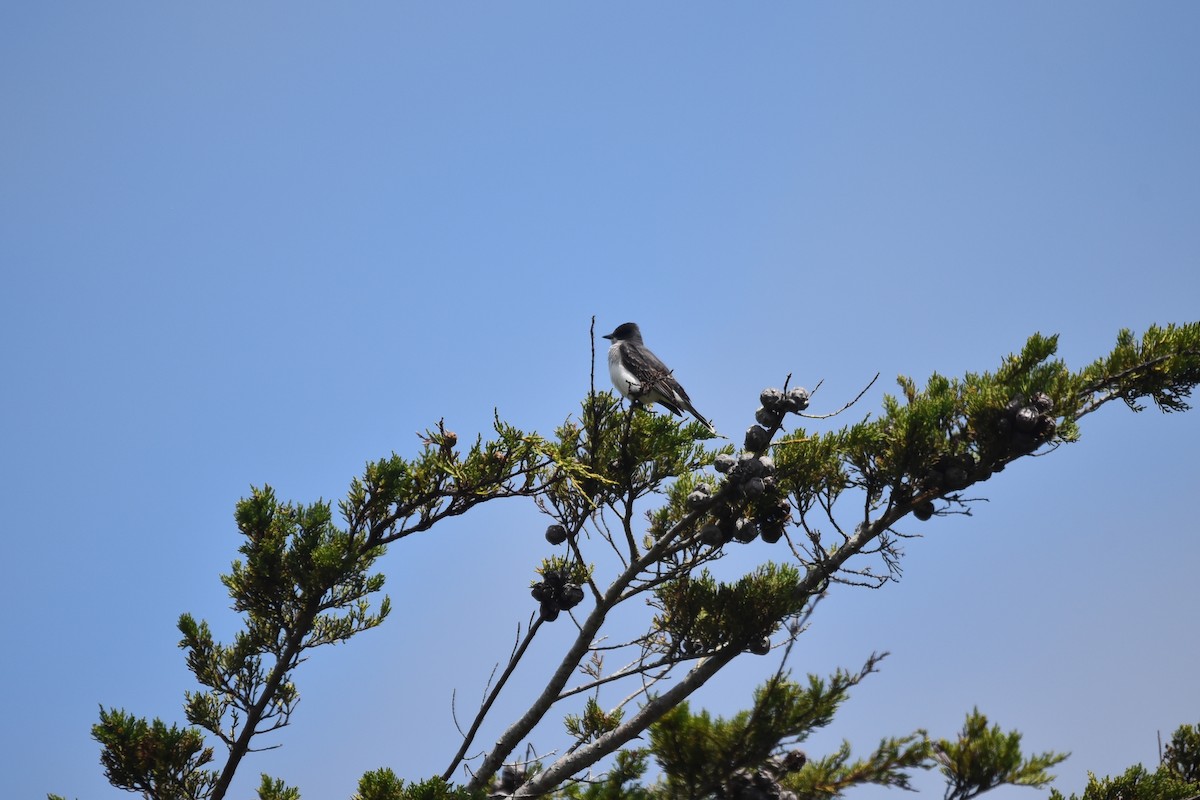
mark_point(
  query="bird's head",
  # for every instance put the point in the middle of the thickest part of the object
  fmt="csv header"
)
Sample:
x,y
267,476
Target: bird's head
x,y
628,332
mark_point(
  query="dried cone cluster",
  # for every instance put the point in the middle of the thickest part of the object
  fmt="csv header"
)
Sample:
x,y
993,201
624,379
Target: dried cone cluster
x,y
763,783
951,473
764,514
694,646
556,594
1027,424
775,405
751,476
1022,427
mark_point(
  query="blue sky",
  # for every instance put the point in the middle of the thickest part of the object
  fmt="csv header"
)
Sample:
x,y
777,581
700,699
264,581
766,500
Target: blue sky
x,y
264,243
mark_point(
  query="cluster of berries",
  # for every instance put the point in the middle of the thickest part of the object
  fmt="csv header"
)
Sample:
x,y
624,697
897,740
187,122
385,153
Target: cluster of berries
x,y
556,594
763,783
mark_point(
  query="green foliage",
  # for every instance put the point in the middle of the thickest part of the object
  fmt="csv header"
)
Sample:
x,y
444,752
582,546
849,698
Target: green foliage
x,y
889,765
698,753
1164,367
397,497
983,758
1182,756
640,483
619,783
618,458
1136,784
940,439
163,763
675,506
811,466
382,784
964,424
304,583
593,722
701,614
1177,777
275,789
570,570
437,789
298,548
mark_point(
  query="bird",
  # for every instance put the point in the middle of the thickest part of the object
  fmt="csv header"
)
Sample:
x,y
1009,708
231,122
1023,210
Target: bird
x,y
639,375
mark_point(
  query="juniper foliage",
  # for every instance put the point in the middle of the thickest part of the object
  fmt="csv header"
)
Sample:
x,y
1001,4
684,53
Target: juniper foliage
x,y
646,508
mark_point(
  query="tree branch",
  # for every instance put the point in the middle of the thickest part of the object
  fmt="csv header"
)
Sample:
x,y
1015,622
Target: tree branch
x,y
469,737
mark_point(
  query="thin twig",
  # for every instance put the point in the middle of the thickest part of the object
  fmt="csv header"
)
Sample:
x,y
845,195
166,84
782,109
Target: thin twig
x,y
843,408
513,660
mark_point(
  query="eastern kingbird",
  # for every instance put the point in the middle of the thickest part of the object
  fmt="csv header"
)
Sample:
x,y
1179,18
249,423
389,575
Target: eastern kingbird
x,y
640,376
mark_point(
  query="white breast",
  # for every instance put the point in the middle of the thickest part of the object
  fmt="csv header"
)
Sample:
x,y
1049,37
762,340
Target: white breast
x,y
622,378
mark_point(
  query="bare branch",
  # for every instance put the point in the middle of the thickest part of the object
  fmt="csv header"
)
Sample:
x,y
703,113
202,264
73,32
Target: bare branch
x,y
857,397
513,660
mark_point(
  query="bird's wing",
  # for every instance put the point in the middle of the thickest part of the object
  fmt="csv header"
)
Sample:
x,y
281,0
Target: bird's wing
x,y
680,397
658,385
654,381
646,367
671,387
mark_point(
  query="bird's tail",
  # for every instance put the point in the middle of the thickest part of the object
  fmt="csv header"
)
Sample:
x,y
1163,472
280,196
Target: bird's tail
x,y
702,419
